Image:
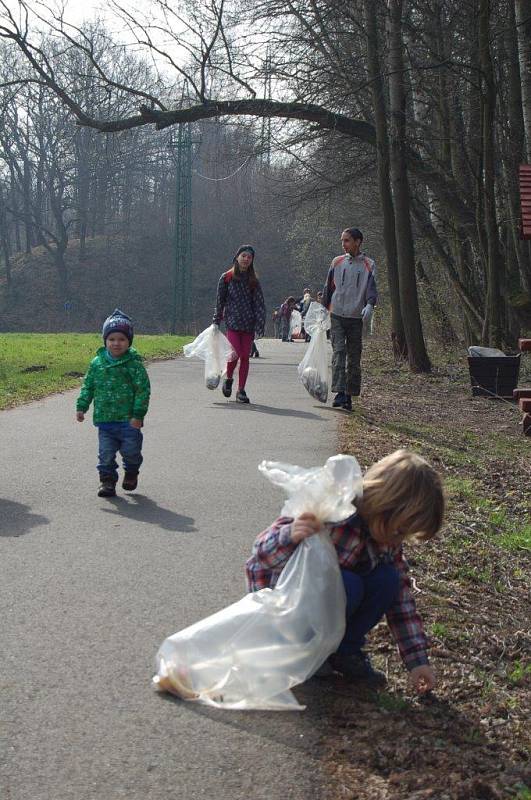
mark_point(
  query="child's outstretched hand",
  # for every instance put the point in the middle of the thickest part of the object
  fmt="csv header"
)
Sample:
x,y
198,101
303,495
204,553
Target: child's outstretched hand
x,y
422,679
135,423
304,526
80,416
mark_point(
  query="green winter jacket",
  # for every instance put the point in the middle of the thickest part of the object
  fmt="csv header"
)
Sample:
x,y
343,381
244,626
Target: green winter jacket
x,y
120,390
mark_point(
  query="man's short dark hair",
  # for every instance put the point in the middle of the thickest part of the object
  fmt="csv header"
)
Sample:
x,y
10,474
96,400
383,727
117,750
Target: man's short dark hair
x,y
355,233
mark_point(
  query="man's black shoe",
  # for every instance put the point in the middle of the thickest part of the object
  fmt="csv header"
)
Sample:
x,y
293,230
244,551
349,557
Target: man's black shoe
x,y
339,399
357,668
241,397
227,387
347,404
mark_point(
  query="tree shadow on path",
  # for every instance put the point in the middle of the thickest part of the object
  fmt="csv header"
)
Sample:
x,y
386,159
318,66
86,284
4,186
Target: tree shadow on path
x,y
279,412
16,519
143,509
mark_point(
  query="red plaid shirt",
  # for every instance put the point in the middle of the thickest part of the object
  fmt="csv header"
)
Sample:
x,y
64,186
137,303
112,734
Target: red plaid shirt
x,y
357,551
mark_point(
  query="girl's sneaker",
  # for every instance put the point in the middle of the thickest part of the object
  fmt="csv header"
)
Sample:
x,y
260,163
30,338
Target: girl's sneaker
x,y
227,387
241,397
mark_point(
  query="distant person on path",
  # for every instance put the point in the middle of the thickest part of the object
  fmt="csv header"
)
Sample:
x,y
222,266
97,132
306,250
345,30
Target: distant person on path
x,y
304,305
402,500
118,383
240,304
276,322
285,316
350,295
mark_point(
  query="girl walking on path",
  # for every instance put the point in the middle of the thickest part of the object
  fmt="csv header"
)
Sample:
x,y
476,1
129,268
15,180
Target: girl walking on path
x,y
240,304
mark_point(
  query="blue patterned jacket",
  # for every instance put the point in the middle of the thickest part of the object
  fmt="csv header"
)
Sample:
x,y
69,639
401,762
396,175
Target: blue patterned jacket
x,y
240,307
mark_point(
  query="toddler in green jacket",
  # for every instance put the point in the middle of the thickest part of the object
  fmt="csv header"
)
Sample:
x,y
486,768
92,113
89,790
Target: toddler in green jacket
x,y
118,383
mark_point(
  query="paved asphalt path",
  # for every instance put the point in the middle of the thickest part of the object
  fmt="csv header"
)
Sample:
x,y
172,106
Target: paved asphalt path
x,y
89,588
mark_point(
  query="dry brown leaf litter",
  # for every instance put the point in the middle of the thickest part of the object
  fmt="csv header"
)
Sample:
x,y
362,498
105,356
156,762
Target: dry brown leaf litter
x,y
471,738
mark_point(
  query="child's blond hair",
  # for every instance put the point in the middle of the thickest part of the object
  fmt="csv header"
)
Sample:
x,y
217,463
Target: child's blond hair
x,y
403,493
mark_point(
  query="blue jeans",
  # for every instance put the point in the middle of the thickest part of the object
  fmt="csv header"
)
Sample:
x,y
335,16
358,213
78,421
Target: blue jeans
x,y
368,598
119,436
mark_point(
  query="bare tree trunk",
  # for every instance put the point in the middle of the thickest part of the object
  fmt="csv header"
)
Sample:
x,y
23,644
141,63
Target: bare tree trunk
x,y
441,318
492,333
522,10
417,355
516,145
384,178
82,186
4,243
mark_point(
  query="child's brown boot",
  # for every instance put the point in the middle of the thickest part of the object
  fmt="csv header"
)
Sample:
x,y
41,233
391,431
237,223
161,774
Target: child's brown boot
x,y
107,487
130,481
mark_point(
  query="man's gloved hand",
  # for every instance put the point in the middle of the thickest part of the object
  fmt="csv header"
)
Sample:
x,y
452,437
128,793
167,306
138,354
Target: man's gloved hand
x,y
367,310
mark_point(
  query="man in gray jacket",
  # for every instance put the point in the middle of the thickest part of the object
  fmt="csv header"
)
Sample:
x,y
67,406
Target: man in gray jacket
x,y
350,295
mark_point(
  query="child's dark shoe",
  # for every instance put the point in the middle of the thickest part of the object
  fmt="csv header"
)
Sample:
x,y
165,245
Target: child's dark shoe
x,y
107,487
241,397
130,481
339,399
226,387
347,403
325,670
357,668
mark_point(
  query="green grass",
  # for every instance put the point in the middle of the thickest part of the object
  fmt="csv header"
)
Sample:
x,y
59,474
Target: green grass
x,y
510,534
391,702
60,358
518,672
440,630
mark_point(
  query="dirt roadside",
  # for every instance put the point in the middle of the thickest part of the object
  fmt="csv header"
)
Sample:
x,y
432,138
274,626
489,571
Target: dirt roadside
x,y
472,738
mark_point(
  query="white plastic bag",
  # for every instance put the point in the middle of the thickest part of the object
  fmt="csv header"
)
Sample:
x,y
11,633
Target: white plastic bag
x,y
249,655
313,369
367,324
215,350
295,323
485,352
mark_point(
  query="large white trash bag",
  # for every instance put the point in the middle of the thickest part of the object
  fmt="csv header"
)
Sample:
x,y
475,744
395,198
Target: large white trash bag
x,y
249,655
215,350
313,369
295,323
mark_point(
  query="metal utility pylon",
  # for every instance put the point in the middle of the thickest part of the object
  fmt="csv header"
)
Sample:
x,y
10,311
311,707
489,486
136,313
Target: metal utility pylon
x,y
182,261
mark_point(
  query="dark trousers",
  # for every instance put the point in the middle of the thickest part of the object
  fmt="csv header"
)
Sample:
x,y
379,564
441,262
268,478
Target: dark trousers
x,y
123,438
345,334
368,598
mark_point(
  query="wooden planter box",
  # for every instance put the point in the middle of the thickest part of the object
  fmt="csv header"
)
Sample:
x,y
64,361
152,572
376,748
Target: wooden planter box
x,y
494,377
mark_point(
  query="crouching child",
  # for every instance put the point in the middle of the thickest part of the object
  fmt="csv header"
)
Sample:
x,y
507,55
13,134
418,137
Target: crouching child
x,y
402,500
118,383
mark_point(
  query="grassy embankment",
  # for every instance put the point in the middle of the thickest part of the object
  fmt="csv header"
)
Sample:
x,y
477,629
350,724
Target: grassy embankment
x,y
33,365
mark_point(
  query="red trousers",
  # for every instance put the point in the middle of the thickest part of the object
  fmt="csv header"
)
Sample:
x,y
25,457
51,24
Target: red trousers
x,y
242,343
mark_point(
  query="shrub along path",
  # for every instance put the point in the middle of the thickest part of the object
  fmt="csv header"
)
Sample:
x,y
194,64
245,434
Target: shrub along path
x,y
471,739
